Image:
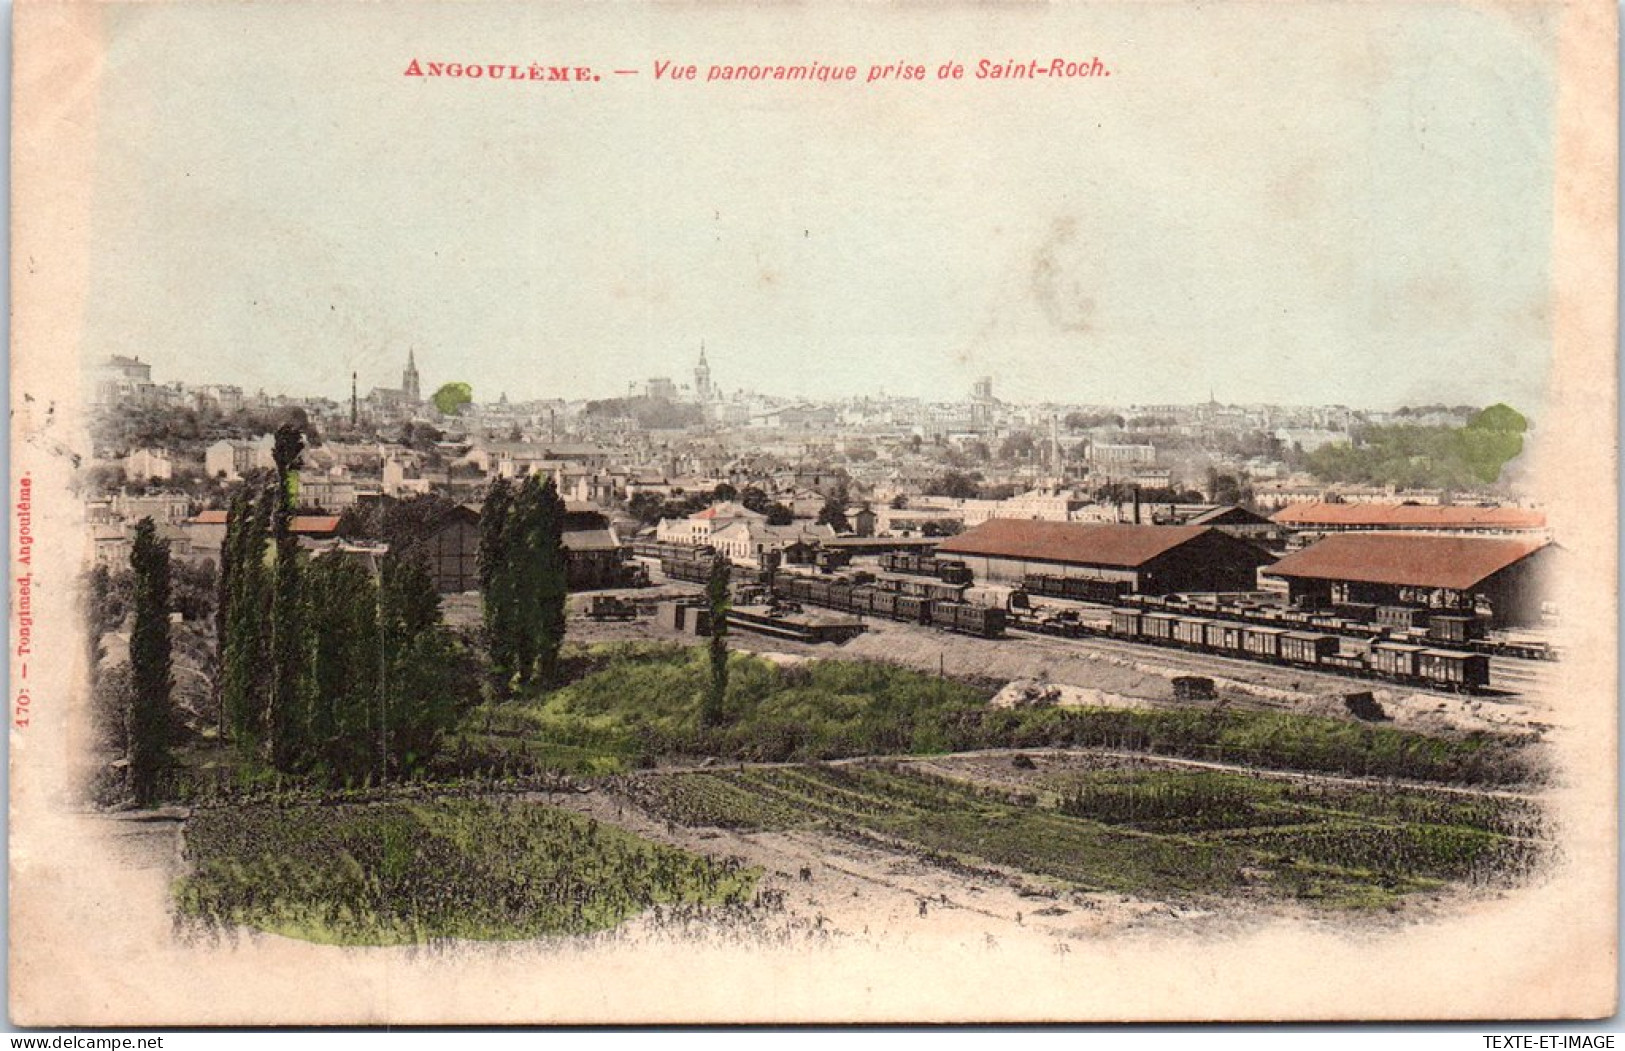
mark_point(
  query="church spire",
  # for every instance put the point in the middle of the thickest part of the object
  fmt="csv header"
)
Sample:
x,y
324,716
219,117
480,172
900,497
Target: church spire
x,y
409,378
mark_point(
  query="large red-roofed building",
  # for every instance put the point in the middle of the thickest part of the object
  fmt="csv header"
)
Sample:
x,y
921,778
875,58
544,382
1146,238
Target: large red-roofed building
x,y
1440,572
1149,558
1341,518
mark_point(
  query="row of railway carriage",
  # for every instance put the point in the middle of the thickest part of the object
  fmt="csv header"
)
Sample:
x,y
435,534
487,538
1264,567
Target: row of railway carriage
x,y
937,603
1400,661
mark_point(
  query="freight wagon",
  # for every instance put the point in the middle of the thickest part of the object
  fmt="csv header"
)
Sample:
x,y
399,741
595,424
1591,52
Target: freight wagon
x,y
968,619
1080,589
1462,670
1403,662
953,571
1402,617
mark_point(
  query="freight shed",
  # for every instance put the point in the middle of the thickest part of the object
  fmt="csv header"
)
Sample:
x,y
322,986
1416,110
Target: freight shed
x,y
1437,572
1150,559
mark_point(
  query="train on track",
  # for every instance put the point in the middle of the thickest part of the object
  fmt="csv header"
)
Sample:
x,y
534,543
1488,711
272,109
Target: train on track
x,y
1459,629
951,571
1139,620
1401,662
914,600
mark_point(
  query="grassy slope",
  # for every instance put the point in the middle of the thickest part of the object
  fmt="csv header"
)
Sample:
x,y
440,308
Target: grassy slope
x,y
1160,834
398,873
634,704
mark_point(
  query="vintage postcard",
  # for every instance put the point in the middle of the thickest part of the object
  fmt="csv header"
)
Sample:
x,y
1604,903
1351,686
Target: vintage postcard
x,y
691,512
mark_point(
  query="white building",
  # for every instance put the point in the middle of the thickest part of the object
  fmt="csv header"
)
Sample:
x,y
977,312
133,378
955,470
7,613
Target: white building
x,y
702,527
747,542
149,465
233,459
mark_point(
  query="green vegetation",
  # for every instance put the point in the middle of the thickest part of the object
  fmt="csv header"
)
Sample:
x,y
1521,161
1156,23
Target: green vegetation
x,y
523,582
1410,456
150,674
630,705
1139,830
282,713
399,873
713,711
451,397
324,671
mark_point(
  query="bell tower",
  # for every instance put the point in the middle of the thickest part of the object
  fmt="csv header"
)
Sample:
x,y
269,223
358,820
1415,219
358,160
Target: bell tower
x,y
409,379
702,378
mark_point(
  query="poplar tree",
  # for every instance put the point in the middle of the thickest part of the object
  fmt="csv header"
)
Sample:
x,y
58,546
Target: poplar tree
x,y
425,677
284,717
552,583
712,710
150,673
244,660
343,665
496,579
525,577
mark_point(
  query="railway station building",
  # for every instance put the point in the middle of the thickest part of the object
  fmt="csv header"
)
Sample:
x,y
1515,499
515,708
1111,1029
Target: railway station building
x,y
1151,559
1504,576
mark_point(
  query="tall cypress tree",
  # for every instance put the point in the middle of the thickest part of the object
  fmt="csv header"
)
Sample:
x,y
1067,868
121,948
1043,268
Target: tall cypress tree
x,y
284,716
552,583
525,575
425,682
244,660
343,656
712,710
150,675
496,579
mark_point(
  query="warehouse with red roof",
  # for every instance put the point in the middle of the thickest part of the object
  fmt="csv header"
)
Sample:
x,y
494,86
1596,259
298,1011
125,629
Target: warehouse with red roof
x,y
1149,558
1326,517
1506,575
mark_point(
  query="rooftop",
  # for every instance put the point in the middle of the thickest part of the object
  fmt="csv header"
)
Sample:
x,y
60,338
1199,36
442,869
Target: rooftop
x,y
1098,545
1455,562
1409,516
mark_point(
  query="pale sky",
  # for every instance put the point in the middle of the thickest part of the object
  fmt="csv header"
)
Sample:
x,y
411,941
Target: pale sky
x,y
1311,203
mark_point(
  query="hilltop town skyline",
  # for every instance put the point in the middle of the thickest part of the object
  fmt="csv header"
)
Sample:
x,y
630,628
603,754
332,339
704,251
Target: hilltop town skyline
x,y
671,368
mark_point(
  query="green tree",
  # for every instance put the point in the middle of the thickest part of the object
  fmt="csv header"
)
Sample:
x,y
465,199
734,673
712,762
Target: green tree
x,y
956,484
713,709
833,514
1500,417
647,507
755,499
451,397
528,584
552,582
284,717
99,617
151,679
497,593
343,665
524,571
427,678
246,649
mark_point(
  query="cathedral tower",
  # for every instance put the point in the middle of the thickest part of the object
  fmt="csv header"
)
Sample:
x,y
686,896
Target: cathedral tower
x,y
409,379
